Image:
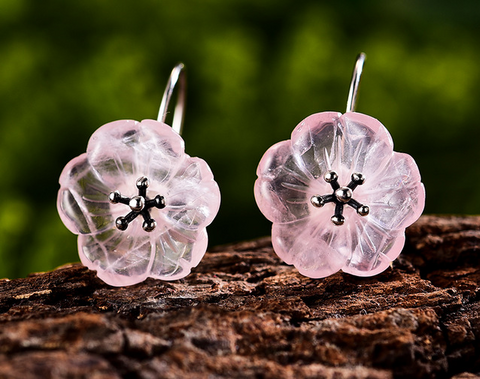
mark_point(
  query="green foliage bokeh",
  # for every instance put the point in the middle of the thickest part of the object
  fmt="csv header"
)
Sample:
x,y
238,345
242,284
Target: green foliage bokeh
x,y
255,70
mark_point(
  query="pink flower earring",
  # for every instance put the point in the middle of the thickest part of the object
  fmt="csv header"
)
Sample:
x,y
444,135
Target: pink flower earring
x,y
337,194
139,204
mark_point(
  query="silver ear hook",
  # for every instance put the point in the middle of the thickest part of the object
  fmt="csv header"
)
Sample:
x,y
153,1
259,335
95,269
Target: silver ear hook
x,y
357,73
177,75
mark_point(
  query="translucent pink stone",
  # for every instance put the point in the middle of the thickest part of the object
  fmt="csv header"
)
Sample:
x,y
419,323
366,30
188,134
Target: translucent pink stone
x,y
292,172
117,155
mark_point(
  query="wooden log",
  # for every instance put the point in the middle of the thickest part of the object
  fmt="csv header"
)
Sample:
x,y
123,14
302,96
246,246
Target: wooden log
x,y
243,313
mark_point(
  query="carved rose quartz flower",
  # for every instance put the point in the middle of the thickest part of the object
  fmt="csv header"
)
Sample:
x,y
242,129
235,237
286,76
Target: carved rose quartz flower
x,y
338,196
139,204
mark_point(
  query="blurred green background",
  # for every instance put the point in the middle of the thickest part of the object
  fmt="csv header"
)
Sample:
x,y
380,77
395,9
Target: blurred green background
x,y
255,69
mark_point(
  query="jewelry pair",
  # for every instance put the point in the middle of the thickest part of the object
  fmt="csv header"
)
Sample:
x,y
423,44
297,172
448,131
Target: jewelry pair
x,y
337,194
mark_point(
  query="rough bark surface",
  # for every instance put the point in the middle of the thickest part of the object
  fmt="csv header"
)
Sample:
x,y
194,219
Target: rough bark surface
x,y
243,313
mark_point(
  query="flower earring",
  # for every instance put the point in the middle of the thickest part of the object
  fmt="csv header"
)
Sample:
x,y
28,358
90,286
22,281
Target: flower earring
x,y
337,194
139,204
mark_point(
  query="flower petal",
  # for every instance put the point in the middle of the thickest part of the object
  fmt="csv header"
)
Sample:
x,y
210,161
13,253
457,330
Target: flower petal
x,y
375,250
192,196
124,149
281,190
312,139
368,145
396,197
347,143
120,259
82,199
313,248
176,252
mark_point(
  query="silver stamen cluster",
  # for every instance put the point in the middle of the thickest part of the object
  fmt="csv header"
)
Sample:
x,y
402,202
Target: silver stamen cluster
x,y
139,205
341,196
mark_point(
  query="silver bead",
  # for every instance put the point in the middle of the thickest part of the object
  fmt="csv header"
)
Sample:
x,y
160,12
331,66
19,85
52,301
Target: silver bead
x,y
358,178
338,220
137,203
363,210
114,197
317,201
330,176
149,225
121,223
142,182
159,202
344,194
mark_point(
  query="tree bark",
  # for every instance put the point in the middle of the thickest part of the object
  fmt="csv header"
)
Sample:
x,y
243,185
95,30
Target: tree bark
x,y
243,313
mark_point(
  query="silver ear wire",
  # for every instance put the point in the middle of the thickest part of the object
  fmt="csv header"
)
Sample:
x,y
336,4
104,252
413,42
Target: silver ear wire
x,y
177,76
357,73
